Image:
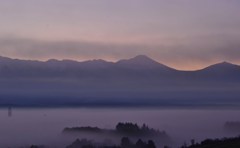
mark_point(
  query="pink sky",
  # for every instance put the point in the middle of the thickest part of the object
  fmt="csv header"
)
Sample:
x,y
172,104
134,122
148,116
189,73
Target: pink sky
x,y
184,34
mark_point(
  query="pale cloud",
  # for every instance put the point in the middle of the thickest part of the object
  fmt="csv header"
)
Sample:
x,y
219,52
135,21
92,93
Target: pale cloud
x,y
189,54
185,34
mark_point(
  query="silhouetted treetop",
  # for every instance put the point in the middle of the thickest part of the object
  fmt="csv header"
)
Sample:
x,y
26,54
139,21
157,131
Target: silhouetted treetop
x,y
128,128
134,129
125,143
217,143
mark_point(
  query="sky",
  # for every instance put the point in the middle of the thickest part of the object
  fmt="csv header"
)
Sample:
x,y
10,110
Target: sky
x,y
184,34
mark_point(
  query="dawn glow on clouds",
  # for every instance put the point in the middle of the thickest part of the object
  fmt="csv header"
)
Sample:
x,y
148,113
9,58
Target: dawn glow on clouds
x,y
184,34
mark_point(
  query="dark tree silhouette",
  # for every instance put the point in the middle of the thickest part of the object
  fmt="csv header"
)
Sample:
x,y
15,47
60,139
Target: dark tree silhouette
x,y
140,144
151,144
126,143
218,143
128,128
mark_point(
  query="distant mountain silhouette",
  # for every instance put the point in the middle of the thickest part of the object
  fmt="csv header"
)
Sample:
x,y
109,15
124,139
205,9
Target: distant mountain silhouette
x,y
142,62
68,68
223,71
138,66
138,81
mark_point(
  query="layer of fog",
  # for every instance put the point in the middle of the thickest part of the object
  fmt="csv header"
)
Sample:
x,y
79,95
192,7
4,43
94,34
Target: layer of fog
x,y
44,126
91,92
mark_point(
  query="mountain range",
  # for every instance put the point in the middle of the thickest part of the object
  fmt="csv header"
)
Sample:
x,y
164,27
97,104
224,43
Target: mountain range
x,y
139,81
138,66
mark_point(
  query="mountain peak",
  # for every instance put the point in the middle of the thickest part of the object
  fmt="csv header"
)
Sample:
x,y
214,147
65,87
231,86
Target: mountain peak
x,y
141,62
224,64
222,67
141,57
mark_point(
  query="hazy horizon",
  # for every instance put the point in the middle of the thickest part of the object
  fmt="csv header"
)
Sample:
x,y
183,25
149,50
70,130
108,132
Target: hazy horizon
x,y
183,34
115,61
172,64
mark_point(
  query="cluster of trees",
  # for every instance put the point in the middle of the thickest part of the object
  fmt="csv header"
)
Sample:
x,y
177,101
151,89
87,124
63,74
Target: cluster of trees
x,y
127,127
83,129
125,143
122,129
216,143
134,129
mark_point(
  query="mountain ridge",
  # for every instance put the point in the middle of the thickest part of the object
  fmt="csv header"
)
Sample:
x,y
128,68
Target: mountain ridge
x,y
139,60
138,81
138,68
